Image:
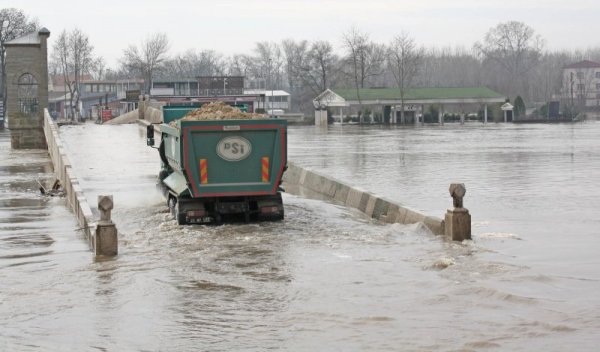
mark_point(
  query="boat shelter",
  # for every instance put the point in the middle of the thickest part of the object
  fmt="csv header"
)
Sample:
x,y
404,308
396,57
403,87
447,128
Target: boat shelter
x,y
342,102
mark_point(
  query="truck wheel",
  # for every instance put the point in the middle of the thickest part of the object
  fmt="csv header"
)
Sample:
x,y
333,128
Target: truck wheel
x,y
181,220
179,215
171,202
280,217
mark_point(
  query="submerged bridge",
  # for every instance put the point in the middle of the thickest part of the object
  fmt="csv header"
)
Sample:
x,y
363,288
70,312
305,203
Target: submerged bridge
x,y
102,233
32,128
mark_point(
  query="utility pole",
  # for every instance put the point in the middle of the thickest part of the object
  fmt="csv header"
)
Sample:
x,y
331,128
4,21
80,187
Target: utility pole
x,y
572,83
271,84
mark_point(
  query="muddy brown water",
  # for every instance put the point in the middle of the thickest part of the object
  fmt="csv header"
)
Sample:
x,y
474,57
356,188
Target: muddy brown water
x,y
325,278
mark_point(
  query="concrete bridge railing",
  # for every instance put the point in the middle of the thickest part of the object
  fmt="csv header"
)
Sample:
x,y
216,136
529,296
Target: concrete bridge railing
x,y
102,242
372,205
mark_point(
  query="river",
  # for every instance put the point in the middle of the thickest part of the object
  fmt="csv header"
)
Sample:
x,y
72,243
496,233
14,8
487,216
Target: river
x,y
325,278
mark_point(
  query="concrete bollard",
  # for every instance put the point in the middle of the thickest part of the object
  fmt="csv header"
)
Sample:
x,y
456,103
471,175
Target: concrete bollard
x,y
142,107
106,241
458,220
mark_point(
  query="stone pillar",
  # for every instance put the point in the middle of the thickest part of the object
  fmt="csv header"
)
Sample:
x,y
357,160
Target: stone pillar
x,y
320,117
441,115
106,239
505,117
417,112
142,108
416,116
458,220
485,117
341,116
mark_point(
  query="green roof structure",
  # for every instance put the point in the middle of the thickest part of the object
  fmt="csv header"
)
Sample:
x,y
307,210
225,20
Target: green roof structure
x,y
388,102
348,96
419,93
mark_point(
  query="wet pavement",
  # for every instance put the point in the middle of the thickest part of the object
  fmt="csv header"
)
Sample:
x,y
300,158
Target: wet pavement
x,y
325,278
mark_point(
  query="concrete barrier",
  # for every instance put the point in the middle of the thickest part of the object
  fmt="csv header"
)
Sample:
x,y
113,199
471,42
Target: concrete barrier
x,y
372,205
130,117
75,197
153,115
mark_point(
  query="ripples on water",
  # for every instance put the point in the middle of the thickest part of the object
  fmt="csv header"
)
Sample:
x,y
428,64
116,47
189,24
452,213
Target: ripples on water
x,y
323,279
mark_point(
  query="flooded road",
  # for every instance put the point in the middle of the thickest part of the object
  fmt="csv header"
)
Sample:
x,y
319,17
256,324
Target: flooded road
x,y
325,278
535,186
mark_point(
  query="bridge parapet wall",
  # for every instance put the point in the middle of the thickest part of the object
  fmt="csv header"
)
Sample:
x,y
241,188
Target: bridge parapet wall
x,y
370,204
76,199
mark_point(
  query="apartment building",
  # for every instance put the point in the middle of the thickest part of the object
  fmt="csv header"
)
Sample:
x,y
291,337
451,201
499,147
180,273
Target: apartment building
x,y
581,84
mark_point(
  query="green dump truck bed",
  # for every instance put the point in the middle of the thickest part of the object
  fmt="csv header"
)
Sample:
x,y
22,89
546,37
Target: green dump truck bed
x,y
223,158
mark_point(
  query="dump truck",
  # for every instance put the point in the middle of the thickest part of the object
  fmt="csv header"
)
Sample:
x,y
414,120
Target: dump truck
x,y
221,170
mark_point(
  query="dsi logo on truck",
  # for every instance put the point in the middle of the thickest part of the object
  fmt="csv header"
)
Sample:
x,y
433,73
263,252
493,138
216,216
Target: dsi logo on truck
x,y
234,148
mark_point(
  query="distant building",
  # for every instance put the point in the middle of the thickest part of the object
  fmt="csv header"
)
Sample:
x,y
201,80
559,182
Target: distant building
x,y
386,105
93,94
274,100
202,86
581,84
198,90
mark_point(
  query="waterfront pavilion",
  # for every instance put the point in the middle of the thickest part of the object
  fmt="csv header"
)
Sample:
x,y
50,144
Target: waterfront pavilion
x,y
387,101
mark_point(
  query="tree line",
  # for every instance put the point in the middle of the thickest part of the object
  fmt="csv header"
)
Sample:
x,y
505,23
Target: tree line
x,y
510,58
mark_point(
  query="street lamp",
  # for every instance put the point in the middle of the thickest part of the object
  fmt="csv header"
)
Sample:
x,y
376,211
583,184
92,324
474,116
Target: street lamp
x,y
271,83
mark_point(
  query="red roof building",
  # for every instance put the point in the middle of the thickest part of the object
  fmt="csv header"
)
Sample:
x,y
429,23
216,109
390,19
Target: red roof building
x,y
583,64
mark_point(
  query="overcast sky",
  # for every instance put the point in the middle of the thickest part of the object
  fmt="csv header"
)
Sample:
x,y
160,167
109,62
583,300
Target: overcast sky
x,y
233,26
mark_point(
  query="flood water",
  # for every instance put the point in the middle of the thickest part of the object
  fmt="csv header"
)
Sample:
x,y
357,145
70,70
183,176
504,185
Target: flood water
x,y
325,278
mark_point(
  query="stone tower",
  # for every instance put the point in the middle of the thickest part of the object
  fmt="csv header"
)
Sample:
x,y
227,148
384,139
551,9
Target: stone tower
x,y
27,89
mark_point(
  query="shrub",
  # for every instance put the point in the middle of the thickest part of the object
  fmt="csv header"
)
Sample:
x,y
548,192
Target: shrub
x,y
519,109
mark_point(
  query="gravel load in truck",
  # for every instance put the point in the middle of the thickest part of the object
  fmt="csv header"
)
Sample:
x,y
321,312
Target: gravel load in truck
x,y
219,111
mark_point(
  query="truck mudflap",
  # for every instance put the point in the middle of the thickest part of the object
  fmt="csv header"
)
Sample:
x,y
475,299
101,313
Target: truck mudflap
x,y
230,209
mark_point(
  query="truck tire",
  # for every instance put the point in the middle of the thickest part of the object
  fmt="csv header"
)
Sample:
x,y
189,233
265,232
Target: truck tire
x,y
171,201
179,215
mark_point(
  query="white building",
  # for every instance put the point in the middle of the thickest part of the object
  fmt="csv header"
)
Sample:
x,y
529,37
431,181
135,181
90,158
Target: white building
x,y
581,84
275,100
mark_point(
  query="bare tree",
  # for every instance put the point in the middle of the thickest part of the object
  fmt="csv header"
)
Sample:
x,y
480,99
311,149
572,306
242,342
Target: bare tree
x,y
449,67
404,59
148,58
295,57
515,47
319,69
72,55
364,59
268,63
13,24
239,65
295,54
547,76
194,63
98,68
